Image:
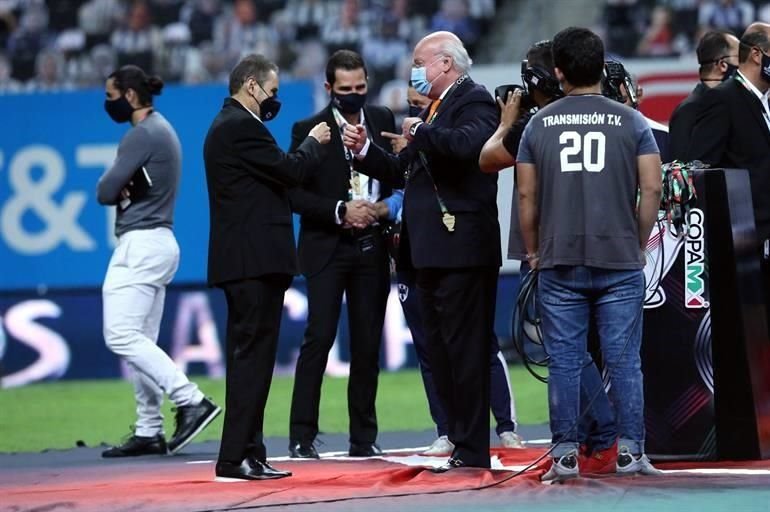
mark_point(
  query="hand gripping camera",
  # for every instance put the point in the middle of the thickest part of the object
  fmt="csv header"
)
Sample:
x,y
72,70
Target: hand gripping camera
x,y
614,76
533,78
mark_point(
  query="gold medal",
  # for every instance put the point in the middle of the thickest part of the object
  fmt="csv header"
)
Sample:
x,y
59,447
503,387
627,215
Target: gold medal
x,y
449,221
355,184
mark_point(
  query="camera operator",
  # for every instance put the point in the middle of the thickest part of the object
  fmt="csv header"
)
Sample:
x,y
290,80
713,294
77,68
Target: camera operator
x,y
583,232
619,85
516,105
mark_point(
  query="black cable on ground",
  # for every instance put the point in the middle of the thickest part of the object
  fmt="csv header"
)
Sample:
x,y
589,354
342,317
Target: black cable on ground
x,y
446,491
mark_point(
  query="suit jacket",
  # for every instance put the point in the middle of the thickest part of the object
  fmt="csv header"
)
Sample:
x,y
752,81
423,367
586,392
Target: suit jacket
x,y
316,199
466,118
247,174
682,122
730,132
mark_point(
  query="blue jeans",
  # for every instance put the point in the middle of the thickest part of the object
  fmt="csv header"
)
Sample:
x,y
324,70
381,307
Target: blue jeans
x,y
569,298
597,426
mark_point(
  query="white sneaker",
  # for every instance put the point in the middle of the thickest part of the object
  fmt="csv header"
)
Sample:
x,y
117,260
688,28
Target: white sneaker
x,y
563,468
629,465
511,440
440,447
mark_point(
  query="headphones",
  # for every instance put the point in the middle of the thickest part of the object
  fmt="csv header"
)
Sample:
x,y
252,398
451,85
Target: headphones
x,y
540,79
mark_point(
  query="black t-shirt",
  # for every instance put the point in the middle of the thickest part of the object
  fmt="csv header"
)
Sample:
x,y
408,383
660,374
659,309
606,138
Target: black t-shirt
x,y
516,248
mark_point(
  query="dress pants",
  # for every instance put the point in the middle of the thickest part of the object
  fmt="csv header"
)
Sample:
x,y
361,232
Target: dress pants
x,y
458,310
254,309
134,289
364,278
500,395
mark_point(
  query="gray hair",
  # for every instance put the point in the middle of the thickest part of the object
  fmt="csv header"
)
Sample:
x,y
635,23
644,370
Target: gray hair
x,y
252,66
455,49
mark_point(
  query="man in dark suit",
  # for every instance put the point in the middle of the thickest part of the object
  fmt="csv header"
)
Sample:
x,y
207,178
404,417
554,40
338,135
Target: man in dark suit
x,y
251,250
450,232
341,251
732,129
718,58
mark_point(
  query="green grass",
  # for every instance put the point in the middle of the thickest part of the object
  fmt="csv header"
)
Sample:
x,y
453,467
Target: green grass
x,y
59,414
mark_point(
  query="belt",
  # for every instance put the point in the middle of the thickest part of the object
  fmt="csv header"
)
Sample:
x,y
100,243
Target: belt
x,y
355,234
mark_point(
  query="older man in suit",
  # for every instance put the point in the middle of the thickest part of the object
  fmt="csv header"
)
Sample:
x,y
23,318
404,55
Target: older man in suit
x,y
251,250
341,251
732,129
450,232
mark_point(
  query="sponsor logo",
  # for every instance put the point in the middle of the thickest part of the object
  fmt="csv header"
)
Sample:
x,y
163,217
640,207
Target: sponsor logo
x,y
662,251
695,262
403,292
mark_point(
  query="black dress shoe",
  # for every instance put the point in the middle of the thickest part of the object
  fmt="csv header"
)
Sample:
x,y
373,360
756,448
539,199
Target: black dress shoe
x,y
138,445
299,450
364,450
190,421
452,463
249,469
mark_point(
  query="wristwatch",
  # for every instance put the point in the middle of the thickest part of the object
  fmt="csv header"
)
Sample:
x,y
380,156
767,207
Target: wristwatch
x,y
413,128
342,209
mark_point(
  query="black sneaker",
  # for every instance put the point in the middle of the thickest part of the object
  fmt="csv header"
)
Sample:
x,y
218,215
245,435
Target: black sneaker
x,y
135,445
190,421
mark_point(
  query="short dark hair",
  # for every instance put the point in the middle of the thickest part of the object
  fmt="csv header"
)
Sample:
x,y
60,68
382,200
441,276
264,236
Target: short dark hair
x,y
711,48
343,59
252,66
540,54
133,77
756,38
579,54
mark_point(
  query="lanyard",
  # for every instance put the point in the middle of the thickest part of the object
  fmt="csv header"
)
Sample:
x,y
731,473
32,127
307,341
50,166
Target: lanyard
x,y
354,191
765,107
446,217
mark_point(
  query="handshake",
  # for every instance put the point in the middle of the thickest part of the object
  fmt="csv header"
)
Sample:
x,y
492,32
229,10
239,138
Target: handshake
x,y
360,213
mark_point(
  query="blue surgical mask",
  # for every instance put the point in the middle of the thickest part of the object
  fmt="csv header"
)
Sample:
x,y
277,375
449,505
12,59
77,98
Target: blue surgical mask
x,y
419,78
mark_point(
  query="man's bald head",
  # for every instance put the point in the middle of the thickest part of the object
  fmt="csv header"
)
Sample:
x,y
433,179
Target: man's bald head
x,y
445,58
758,26
756,35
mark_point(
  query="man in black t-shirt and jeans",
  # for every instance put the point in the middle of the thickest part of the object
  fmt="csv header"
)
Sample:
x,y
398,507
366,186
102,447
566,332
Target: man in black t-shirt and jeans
x,y
597,429
581,162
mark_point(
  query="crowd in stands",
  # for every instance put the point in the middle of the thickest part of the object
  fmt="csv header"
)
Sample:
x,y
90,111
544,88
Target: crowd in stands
x,y
670,28
67,44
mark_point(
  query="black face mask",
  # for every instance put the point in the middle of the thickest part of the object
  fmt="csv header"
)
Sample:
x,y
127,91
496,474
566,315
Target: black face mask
x,y
349,103
119,110
731,70
764,71
269,107
415,110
